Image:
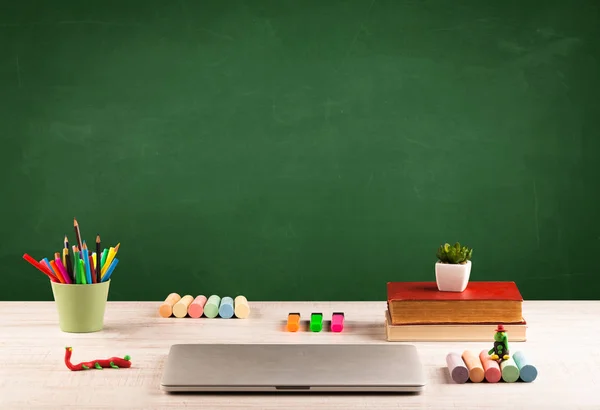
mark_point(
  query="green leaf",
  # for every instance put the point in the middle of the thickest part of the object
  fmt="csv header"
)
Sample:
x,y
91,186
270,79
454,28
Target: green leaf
x,y
454,254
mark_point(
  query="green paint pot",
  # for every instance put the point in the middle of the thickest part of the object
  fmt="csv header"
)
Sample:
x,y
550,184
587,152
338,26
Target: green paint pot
x,y
81,307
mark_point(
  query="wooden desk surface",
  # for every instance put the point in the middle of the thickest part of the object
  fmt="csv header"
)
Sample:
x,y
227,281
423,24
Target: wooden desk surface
x,y
563,343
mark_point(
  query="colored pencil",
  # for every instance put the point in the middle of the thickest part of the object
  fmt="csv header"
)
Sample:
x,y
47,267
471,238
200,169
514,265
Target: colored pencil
x,y
39,267
98,269
77,233
69,264
46,263
57,271
82,272
103,259
75,254
76,260
63,270
110,270
112,252
92,270
76,272
66,241
86,262
108,260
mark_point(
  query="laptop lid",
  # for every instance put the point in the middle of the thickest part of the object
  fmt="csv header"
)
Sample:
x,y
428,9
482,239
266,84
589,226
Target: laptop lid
x,y
293,368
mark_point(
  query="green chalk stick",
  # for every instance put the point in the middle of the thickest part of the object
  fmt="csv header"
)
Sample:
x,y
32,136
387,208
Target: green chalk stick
x,y
510,371
211,308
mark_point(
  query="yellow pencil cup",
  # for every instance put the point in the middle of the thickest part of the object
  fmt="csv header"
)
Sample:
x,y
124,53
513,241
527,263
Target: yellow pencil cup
x,y
81,307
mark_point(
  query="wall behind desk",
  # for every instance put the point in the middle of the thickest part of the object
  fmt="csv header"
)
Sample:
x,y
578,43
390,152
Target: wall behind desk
x,y
306,150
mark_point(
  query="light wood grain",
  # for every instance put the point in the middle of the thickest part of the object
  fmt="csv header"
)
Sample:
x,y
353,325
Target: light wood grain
x,y
563,343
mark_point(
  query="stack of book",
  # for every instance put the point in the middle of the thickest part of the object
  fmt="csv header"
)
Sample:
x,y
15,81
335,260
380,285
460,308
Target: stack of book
x,y
418,311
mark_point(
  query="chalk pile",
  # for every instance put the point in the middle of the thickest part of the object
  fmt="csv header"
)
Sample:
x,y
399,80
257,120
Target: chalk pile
x,y
478,368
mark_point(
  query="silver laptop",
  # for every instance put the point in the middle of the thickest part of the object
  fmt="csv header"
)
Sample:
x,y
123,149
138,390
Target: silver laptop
x,y
293,368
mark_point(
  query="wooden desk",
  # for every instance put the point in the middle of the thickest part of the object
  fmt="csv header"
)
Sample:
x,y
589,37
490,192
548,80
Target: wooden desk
x,y
563,341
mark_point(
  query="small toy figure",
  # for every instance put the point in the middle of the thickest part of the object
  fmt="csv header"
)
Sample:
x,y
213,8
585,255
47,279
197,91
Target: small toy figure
x,y
500,350
114,362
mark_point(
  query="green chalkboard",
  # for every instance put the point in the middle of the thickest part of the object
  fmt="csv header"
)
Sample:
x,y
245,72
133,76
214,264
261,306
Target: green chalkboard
x,y
302,150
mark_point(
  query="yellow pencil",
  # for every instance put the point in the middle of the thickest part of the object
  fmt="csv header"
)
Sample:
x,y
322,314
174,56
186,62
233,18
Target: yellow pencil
x,y
94,259
112,252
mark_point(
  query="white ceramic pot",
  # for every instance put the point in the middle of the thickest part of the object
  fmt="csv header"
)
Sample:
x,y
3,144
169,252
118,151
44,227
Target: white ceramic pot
x,y
452,277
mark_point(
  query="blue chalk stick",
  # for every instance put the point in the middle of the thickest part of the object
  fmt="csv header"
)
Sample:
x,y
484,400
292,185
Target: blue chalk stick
x,y
226,308
527,371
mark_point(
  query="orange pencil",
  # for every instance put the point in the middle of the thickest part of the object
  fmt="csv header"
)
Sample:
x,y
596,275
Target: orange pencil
x,y
57,272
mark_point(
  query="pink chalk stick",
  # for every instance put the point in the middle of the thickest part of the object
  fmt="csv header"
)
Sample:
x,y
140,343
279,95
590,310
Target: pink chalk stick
x,y
493,374
457,368
337,322
196,308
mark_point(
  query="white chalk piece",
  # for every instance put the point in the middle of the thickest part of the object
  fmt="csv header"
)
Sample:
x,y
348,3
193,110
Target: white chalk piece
x,y
457,368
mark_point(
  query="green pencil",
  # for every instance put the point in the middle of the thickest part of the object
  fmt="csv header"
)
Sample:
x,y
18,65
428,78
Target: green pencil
x,y
81,270
76,271
103,259
76,264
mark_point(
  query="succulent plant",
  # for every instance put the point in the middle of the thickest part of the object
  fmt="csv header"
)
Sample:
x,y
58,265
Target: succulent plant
x,y
454,254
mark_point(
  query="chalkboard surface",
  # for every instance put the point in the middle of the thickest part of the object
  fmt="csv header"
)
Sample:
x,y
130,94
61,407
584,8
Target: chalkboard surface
x,y
302,150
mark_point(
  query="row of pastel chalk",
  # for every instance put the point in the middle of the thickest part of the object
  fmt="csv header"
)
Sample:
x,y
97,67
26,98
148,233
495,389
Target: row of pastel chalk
x,y
226,307
469,366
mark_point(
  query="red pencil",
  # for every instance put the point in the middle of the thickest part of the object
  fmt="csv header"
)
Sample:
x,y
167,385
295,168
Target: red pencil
x,y
92,270
40,267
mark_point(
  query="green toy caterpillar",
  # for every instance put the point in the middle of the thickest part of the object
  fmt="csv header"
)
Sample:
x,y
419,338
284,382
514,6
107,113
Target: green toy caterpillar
x,y
500,350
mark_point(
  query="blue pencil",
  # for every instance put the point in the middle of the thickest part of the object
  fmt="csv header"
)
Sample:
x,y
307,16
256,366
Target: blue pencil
x,y
48,264
86,261
110,269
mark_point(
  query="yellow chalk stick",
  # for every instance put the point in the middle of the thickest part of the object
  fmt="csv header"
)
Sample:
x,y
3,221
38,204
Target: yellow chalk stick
x,y
180,308
241,307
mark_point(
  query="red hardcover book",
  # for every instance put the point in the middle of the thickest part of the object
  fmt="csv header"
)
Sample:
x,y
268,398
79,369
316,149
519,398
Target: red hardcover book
x,y
481,302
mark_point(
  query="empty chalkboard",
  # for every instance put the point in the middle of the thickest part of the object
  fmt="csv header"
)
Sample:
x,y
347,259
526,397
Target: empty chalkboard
x,y
301,150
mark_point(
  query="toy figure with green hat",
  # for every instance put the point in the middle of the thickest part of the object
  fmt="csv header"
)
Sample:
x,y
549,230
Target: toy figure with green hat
x,y
500,350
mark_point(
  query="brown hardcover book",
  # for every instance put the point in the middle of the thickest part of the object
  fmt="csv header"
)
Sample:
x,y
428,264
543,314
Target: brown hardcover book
x,y
481,302
473,332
